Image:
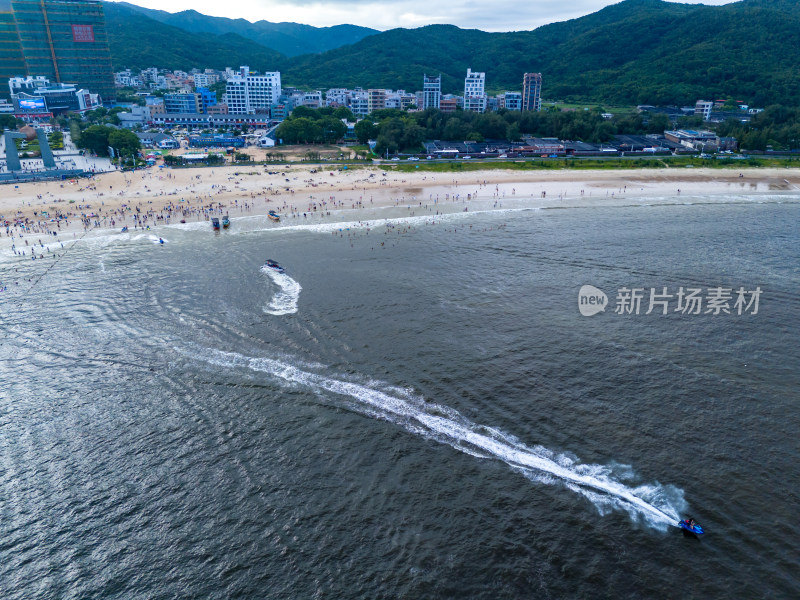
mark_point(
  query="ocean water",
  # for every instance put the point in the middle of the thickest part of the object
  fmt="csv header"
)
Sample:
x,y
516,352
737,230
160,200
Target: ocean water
x,y
415,409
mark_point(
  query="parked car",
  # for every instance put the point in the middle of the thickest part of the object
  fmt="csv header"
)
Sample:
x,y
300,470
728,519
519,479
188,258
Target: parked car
x,y
412,158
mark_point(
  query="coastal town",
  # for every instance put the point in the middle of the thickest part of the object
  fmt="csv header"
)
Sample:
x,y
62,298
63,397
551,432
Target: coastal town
x,y
140,136
131,149
206,116
173,110
399,300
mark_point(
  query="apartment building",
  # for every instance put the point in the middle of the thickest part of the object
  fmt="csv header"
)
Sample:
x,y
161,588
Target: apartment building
x,y
376,100
252,93
431,91
359,104
475,91
510,101
182,103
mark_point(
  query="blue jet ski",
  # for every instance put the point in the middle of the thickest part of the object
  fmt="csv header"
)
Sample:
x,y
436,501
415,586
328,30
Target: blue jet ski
x,y
274,266
690,526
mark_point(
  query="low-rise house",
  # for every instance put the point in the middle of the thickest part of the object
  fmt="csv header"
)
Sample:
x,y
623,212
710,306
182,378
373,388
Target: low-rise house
x,y
160,140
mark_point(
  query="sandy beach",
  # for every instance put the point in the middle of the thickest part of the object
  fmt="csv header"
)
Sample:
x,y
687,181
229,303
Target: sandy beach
x,y
170,195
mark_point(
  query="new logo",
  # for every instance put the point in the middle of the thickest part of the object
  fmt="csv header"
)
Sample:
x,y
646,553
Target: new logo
x,y
591,300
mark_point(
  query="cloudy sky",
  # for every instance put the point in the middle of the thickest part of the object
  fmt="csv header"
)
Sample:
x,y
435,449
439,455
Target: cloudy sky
x,y
489,15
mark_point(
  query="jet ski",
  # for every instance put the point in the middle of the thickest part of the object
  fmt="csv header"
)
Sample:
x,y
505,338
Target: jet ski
x,y
690,526
274,266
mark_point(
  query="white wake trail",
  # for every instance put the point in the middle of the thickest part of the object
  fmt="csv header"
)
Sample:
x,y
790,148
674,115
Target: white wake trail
x,y
657,505
285,301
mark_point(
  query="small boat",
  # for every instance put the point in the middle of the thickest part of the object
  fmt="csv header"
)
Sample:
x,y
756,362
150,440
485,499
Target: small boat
x,y
274,266
274,216
226,222
215,223
690,526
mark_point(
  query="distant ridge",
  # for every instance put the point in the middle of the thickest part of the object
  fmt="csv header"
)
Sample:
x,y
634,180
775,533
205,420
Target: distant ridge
x,y
290,39
634,52
139,42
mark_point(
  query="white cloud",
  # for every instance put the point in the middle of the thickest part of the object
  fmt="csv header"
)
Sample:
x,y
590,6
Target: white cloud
x,y
499,15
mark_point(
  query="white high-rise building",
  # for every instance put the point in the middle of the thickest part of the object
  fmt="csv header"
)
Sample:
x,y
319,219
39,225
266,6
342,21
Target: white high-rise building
x,y
475,91
252,93
431,91
236,95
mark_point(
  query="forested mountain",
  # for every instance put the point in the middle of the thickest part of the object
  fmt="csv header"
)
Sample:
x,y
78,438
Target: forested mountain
x,y
637,51
138,42
290,39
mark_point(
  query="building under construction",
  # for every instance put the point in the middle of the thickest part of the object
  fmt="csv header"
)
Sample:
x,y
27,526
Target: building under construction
x,y
62,40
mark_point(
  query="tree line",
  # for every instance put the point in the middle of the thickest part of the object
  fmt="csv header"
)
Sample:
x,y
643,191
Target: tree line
x,y
394,130
777,128
314,126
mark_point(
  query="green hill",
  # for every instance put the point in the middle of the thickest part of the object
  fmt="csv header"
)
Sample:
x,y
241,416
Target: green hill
x,y
637,51
634,52
138,42
290,39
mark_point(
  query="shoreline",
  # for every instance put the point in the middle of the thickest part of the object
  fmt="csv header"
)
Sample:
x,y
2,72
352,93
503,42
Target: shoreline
x,y
164,196
47,242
